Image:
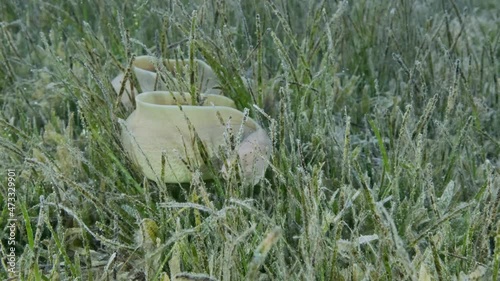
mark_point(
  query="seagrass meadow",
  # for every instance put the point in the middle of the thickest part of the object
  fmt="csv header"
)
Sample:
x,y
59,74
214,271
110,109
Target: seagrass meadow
x,y
384,118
